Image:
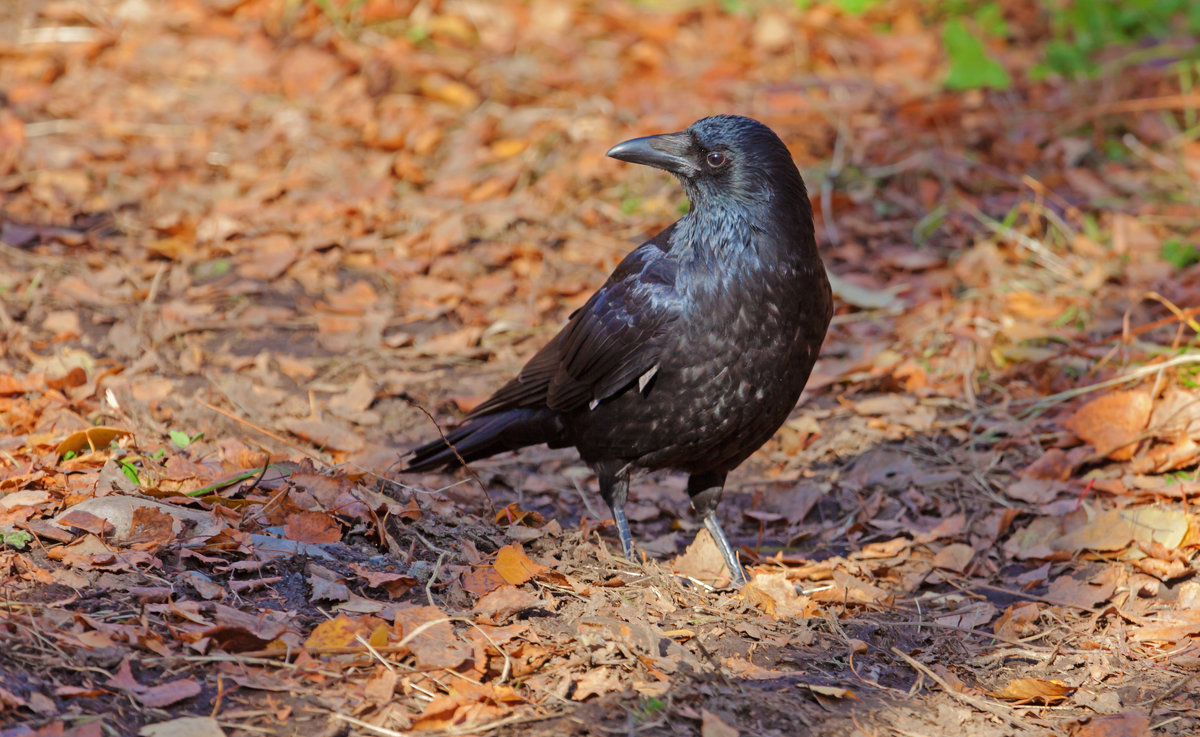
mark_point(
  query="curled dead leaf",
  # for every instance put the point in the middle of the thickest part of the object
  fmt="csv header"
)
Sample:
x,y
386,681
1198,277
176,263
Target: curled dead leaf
x,y
93,438
1034,689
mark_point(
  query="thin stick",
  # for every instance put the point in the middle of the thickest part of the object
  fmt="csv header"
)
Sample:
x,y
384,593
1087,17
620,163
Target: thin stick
x,y
978,703
264,431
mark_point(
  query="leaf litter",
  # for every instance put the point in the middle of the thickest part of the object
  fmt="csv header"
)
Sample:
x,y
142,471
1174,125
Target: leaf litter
x,y
243,242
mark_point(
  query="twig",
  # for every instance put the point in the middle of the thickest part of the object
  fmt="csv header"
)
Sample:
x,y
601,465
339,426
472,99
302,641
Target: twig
x,y
299,449
454,450
437,567
467,729
1039,250
1145,104
975,701
1046,402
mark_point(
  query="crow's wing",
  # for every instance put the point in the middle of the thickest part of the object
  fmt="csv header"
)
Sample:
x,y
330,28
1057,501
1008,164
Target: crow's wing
x,y
607,345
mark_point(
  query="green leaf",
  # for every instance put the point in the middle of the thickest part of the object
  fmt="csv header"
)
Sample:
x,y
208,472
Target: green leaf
x,y
970,66
1179,254
855,7
991,20
181,439
130,472
15,538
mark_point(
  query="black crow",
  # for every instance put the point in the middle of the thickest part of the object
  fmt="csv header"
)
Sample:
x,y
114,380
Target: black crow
x,y
695,350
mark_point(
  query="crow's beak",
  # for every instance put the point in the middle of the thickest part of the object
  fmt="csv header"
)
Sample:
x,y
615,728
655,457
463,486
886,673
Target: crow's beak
x,y
668,152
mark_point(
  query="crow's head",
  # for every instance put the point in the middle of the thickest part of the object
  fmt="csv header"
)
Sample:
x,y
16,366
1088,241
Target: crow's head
x,y
723,160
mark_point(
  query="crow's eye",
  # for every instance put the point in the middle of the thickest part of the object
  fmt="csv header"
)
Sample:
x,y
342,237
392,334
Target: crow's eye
x,y
716,159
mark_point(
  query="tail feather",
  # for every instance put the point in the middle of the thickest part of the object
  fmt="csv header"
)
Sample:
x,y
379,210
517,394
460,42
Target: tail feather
x,y
486,436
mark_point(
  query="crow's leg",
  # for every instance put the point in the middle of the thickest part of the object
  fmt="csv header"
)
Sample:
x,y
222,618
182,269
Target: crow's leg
x,y
705,490
614,487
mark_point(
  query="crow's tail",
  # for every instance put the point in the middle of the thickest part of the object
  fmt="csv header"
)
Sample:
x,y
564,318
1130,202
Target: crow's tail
x,y
486,436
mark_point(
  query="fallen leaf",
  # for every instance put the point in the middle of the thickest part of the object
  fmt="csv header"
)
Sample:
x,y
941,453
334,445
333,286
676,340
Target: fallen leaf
x,y
1165,526
779,591
1105,531
1018,620
481,581
1113,422
703,561
711,725
1082,594
514,566
150,529
395,584
431,638
596,681
832,692
1033,689
312,527
954,557
503,603
93,438
341,631
1125,724
86,521
165,694
184,727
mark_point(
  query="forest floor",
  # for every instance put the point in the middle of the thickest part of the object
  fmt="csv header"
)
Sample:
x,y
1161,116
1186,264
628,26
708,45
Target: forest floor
x,y
252,250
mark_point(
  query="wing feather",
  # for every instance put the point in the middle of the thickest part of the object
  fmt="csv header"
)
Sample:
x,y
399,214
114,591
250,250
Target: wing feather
x,y
607,344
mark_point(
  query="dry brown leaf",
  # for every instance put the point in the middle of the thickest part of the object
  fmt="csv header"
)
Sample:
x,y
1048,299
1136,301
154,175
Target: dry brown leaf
x,y
1106,531
1018,620
514,566
481,581
1125,724
1033,689
831,692
93,438
1082,594
381,687
596,681
1182,452
1035,490
151,529
711,725
954,557
775,594
165,694
1113,422
87,522
436,645
183,727
312,527
968,614
503,603
395,584
702,560
1164,526
343,631
513,515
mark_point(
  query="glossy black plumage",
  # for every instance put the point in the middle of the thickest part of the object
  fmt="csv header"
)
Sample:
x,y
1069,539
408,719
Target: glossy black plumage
x,y
697,347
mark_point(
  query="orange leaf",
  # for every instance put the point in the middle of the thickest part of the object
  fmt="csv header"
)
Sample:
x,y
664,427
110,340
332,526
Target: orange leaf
x,y
339,632
482,580
1030,689
1112,423
1127,724
514,566
93,438
513,515
312,527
